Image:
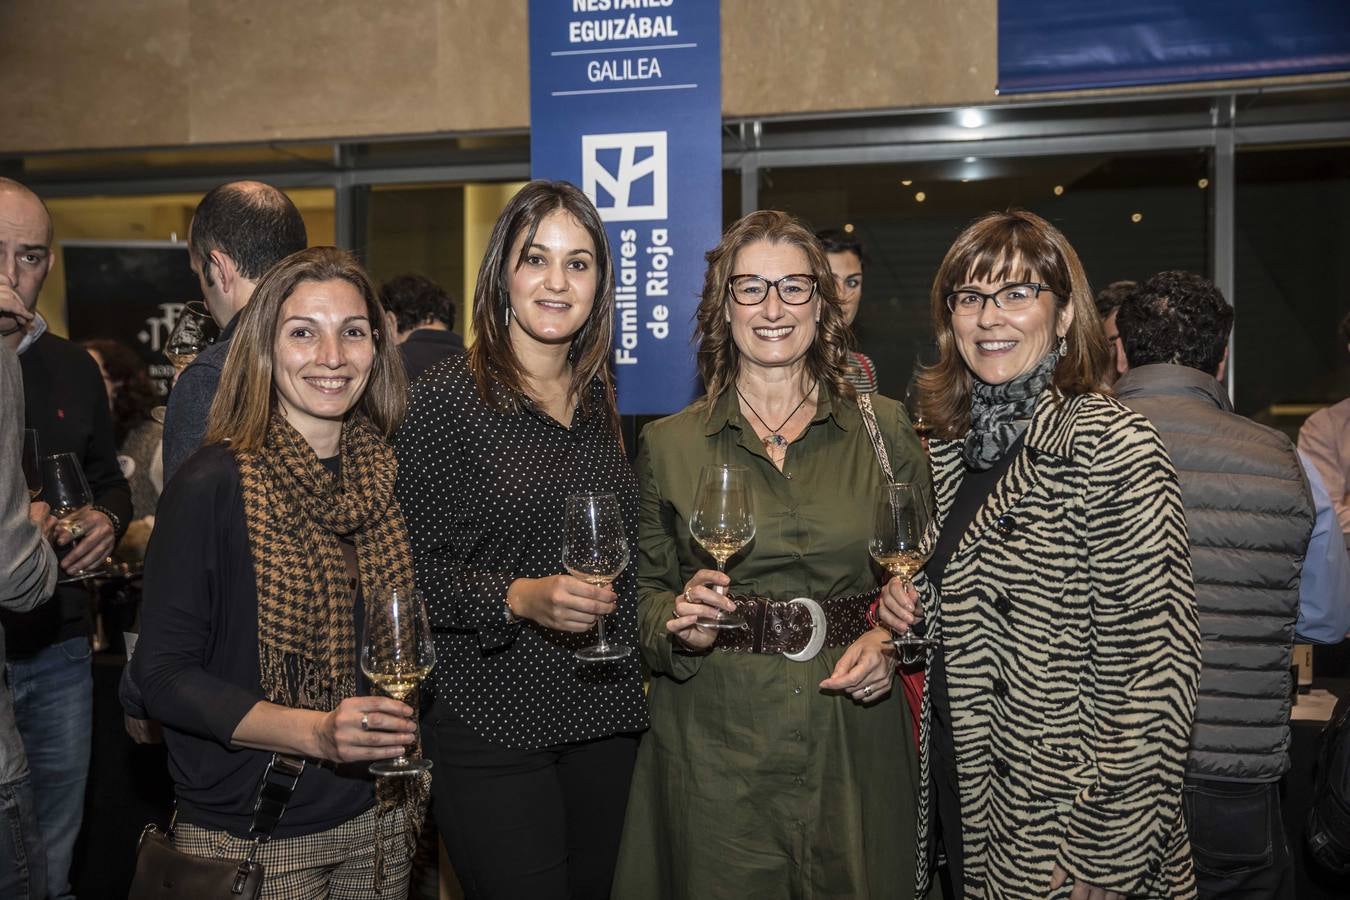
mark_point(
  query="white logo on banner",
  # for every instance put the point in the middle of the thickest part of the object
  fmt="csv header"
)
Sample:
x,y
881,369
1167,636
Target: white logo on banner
x,y
627,179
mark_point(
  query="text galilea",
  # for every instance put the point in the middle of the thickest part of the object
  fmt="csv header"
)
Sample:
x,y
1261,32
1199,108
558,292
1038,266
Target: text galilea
x,y
621,28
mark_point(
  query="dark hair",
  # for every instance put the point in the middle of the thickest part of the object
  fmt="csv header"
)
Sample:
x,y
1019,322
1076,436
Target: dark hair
x,y
491,357
719,362
1110,297
1016,245
415,300
836,240
135,395
254,224
246,396
1175,317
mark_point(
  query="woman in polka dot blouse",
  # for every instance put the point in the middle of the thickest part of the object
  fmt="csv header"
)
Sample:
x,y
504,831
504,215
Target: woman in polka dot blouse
x,y
533,749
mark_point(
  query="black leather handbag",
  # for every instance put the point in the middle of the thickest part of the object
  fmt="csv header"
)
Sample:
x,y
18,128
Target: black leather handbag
x,y
163,872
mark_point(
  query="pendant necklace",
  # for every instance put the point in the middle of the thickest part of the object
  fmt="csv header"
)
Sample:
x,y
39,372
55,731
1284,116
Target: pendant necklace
x,y
774,439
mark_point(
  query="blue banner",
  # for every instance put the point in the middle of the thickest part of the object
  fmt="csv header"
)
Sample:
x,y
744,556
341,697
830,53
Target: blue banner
x,y
626,103
1057,45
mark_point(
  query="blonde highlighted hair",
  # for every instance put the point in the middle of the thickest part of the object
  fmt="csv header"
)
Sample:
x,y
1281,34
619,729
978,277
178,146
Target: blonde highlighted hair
x,y
1011,246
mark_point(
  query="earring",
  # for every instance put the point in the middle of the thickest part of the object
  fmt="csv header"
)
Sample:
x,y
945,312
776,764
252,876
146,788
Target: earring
x,y
1063,346
506,320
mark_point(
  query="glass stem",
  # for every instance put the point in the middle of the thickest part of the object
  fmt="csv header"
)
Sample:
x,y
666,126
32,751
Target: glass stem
x,y
600,632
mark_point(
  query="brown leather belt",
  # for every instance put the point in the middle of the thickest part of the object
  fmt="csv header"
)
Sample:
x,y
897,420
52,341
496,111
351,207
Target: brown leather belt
x,y
793,627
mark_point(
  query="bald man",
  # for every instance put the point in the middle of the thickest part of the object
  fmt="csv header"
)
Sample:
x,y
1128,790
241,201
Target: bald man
x,y
239,231
48,650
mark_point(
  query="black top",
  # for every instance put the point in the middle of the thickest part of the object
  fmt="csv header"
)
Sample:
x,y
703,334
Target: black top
x,y
483,491
197,659
970,496
427,346
65,401
190,401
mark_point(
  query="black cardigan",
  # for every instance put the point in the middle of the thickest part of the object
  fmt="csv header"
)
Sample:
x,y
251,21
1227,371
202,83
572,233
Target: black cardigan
x,y
197,660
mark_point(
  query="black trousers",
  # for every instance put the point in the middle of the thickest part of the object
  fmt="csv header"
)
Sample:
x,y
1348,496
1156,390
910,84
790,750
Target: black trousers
x,y
543,824
1238,840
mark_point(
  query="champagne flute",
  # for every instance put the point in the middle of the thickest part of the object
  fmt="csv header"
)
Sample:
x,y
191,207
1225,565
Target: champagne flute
x,y
595,550
723,522
32,467
900,545
396,655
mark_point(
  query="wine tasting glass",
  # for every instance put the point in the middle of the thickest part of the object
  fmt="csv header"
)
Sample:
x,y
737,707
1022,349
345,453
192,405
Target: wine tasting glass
x,y
901,545
32,467
396,655
63,484
723,522
595,550
192,333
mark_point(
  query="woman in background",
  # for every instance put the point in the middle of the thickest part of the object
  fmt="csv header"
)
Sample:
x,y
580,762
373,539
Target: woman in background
x,y
131,396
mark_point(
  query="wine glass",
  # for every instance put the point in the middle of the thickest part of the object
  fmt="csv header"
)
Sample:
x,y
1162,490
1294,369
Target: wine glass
x,y
595,550
914,407
396,655
32,467
723,522
67,493
900,545
193,332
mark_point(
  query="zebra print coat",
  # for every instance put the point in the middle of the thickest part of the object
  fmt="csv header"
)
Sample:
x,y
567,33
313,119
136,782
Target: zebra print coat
x,y
1072,651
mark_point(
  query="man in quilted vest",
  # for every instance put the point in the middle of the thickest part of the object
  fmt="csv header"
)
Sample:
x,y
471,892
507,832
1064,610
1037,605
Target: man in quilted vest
x,y
1268,562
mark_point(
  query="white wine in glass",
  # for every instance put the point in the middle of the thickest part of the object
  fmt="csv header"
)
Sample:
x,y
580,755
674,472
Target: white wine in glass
x,y
723,522
595,550
192,333
396,655
900,545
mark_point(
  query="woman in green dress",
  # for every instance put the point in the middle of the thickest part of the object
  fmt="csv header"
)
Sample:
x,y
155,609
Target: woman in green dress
x,y
762,775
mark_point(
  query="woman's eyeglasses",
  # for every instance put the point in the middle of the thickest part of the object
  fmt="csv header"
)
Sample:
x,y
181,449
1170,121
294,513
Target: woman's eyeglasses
x,y
751,290
1010,297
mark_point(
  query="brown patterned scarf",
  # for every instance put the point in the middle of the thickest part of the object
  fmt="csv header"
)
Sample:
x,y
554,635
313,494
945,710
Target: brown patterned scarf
x,y
296,510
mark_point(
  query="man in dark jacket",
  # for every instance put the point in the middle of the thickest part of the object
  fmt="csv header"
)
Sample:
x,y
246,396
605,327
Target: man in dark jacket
x,y
420,315
1250,516
239,231
48,650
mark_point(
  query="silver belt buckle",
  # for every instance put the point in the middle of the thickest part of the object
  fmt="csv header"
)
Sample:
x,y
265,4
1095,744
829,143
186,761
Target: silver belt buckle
x,y
812,648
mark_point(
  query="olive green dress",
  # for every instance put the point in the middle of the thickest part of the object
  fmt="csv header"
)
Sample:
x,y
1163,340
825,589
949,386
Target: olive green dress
x,y
753,782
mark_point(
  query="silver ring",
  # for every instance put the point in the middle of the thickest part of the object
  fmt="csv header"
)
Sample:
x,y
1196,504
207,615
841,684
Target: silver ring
x,y
365,721
75,529
867,691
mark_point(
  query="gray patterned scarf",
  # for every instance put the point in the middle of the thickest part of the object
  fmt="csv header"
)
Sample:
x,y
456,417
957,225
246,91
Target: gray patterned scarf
x,y
999,412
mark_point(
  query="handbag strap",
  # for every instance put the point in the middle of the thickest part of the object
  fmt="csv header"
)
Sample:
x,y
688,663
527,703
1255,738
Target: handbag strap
x,y
869,418
274,794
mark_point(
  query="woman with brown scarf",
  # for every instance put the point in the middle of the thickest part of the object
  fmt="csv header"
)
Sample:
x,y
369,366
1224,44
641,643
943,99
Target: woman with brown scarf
x,y
269,539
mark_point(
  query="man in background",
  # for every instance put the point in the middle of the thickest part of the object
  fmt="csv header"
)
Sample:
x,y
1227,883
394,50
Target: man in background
x,y
1109,299
1325,440
1254,529
420,315
27,577
48,650
239,231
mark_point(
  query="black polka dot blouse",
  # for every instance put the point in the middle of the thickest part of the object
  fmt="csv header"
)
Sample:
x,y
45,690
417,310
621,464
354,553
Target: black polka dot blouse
x,y
483,491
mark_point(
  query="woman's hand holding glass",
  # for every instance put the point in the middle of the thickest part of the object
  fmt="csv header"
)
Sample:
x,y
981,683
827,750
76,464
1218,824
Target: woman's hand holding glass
x,y
899,608
364,729
704,597
560,602
864,671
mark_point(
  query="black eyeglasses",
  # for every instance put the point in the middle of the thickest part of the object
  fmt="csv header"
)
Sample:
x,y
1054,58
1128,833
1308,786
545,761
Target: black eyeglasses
x,y
1010,297
750,290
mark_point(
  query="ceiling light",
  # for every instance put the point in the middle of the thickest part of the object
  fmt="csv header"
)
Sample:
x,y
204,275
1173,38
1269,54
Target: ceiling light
x,y
848,227
1059,190
1202,183
971,118
971,159
1136,217
906,181
920,196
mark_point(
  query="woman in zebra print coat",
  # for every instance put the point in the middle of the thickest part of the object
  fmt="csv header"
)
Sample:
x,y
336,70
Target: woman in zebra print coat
x,y
1059,701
